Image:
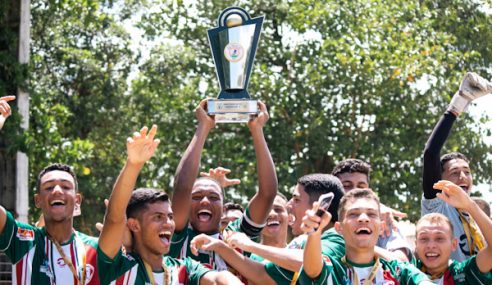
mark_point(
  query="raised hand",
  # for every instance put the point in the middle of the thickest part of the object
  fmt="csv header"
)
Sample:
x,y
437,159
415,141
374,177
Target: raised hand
x,y
219,174
388,216
260,120
204,242
142,145
453,195
5,110
312,223
238,240
472,87
203,118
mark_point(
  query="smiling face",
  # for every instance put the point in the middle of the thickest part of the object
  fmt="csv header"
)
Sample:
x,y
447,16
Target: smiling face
x,y
153,228
434,244
278,220
206,206
360,224
297,207
458,171
57,196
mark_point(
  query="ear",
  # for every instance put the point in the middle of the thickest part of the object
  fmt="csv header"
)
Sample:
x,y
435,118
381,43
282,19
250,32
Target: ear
x,y
78,199
133,225
37,202
454,243
338,227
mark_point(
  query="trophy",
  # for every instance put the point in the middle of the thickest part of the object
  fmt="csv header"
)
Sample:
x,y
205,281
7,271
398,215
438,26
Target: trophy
x,y
233,44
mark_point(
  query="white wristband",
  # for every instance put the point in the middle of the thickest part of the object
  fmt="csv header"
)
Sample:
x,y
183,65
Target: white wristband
x,y
458,104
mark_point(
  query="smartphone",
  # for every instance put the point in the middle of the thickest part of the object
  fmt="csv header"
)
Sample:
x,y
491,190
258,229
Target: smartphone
x,y
324,203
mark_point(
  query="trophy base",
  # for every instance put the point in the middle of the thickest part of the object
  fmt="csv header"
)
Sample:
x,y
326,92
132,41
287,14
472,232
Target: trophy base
x,y
232,110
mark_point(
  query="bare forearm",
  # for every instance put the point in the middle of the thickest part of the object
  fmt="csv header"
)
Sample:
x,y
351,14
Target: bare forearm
x,y
185,177
267,178
251,269
313,262
390,255
290,259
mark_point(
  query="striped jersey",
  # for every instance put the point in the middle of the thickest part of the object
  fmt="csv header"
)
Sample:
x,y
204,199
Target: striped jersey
x,y
463,273
129,269
36,260
335,272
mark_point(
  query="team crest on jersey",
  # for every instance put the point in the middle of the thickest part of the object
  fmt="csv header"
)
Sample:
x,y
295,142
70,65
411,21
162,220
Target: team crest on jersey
x,y
25,234
89,273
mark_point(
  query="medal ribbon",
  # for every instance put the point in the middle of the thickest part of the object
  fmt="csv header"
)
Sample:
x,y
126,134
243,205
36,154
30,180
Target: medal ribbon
x,y
371,276
80,279
473,235
150,273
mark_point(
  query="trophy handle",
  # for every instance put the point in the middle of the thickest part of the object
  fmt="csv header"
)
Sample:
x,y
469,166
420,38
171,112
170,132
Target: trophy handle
x,y
232,10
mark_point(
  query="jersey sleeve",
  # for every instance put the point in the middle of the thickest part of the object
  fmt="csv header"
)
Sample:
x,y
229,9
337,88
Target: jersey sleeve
x,y
432,160
110,269
18,238
332,244
407,273
195,270
473,274
321,279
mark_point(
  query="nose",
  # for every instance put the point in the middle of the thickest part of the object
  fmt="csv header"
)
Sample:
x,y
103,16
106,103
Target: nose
x,y
463,175
57,189
363,217
205,200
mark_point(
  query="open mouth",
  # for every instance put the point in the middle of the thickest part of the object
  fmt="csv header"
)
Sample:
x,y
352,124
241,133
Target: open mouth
x,y
165,237
57,203
464,187
204,215
273,223
363,231
432,256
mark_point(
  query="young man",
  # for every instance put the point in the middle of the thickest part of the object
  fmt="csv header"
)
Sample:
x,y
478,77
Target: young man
x,y
284,263
435,242
150,219
55,253
355,173
232,212
453,167
359,224
198,203
274,234
5,109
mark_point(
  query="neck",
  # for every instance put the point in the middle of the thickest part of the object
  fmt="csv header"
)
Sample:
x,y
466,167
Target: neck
x,y
154,260
60,231
275,241
360,256
437,270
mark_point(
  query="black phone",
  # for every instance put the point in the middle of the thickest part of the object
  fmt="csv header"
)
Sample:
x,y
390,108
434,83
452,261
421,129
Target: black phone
x,y
324,203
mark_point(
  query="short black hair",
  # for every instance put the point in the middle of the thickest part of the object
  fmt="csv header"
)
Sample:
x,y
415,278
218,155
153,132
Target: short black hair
x,y
453,155
483,205
141,197
233,206
352,165
318,184
54,167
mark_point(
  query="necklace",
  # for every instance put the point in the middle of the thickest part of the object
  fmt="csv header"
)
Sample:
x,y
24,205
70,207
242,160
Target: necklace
x,y
150,274
371,276
80,279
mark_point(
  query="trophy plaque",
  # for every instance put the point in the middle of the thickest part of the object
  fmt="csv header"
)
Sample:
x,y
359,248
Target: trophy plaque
x,y
233,44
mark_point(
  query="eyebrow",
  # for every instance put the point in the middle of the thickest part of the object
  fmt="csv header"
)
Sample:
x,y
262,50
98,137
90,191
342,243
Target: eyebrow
x,y
55,180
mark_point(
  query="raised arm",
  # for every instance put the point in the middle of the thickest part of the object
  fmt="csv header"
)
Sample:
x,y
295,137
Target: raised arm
x,y
472,87
140,149
262,201
456,197
5,110
187,170
313,226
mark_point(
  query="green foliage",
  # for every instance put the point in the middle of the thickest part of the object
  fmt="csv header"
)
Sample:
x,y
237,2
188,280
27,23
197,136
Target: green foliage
x,y
341,79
